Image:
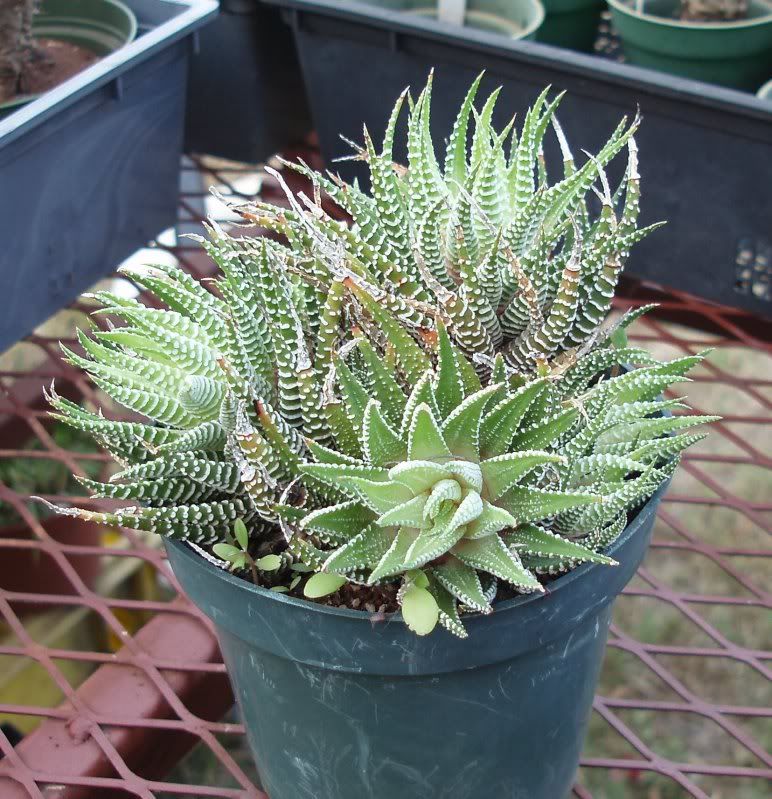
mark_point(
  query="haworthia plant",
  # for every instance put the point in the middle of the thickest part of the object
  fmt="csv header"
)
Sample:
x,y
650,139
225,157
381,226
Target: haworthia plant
x,y
427,398
491,240
462,484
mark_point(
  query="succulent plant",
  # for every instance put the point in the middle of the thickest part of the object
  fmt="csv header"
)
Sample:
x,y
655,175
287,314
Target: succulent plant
x,y
340,406
508,261
426,480
460,485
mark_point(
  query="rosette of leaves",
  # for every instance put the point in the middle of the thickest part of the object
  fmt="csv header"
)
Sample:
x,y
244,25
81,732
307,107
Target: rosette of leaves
x,y
187,359
458,485
545,467
488,240
265,337
188,364
248,394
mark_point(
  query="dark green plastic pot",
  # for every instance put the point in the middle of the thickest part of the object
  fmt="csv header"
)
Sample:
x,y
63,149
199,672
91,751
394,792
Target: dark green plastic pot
x,y
737,54
571,23
517,19
101,26
337,706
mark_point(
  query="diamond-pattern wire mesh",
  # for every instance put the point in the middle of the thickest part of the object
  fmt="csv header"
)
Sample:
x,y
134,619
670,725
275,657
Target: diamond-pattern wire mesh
x,y
684,703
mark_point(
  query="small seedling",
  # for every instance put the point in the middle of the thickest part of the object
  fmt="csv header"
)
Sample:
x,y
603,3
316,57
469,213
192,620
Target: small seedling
x,y
236,552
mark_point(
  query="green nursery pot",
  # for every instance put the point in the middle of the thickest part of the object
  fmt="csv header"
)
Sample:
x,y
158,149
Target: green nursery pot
x,y
737,54
339,706
101,26
517,19
571,23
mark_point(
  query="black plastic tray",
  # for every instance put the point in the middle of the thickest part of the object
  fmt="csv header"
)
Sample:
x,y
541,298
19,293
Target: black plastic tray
x,y
246,98
706,151
89,171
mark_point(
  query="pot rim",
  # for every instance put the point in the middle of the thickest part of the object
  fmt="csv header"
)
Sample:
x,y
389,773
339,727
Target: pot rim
x,y
652,19
537,10
130,17
561,583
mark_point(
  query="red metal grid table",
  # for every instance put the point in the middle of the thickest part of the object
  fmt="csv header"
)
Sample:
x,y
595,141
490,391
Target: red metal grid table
x,y
685,704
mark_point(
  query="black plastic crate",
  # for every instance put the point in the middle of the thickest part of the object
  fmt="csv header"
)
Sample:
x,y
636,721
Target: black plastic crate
x,y
89,171
706,151
246,98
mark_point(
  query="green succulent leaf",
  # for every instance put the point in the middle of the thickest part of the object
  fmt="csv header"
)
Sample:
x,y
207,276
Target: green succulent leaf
x,y
408,514
324,454
533,540
355,396
425,440
532,504
337,474
434,541
341,522
394,558
381,444
385,388
500,424
418,475
463,582
468,474
491,554
412,359
547,432
449,616
420,610
381,497
449,389
462,427
492,520
363,551
502,472
444,490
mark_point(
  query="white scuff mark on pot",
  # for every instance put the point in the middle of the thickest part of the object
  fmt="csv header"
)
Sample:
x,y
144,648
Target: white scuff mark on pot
x,y
568,645
423,782
447,698
502,689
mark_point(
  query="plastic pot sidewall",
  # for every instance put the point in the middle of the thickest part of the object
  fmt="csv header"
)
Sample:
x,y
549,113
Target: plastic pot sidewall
x,y
737,54
518,19
571,23
339,707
